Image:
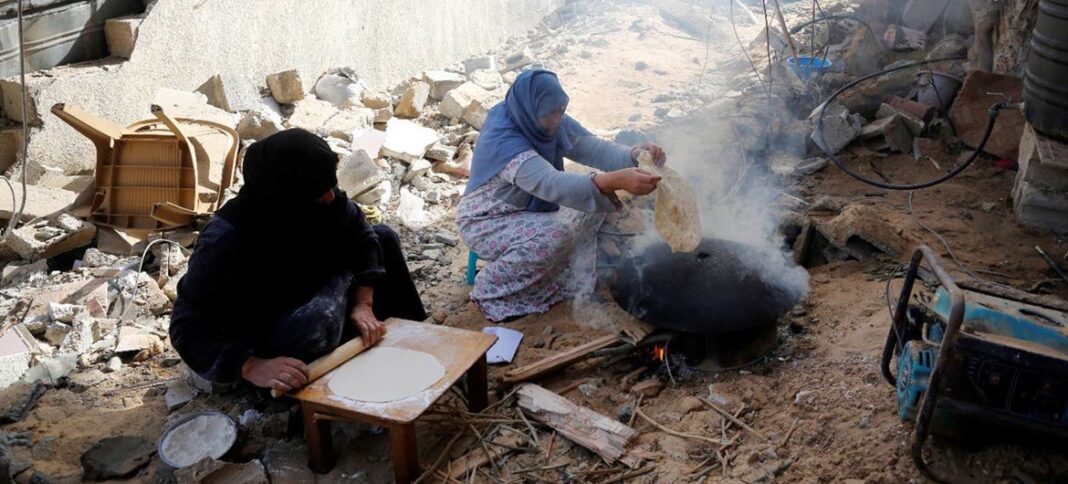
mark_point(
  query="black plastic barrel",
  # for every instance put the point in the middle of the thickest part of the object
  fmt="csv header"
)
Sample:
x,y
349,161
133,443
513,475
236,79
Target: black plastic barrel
x,y
1046,77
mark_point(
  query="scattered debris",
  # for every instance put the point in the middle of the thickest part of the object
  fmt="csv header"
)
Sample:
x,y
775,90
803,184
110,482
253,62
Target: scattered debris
x,y
286,87
116,457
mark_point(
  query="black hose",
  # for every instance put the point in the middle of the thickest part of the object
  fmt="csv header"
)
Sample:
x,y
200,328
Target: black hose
x,y
992,115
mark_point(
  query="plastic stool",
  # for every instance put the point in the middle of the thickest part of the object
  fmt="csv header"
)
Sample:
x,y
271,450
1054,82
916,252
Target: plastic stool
x,y
472,267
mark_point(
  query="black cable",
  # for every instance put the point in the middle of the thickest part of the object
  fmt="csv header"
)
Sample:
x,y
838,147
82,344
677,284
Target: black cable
x,y
992,115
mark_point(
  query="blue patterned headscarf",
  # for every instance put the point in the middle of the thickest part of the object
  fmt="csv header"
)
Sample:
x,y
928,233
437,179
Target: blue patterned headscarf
x,y
512,128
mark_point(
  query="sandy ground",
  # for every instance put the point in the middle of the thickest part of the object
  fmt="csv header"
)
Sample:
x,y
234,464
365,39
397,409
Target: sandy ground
x,y
818,398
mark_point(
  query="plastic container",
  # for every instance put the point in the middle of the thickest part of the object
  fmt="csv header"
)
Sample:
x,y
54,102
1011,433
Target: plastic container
x,y
805,65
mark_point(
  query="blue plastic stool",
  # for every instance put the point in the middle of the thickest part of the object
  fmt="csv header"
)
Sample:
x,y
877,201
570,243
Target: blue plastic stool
x,y
472,267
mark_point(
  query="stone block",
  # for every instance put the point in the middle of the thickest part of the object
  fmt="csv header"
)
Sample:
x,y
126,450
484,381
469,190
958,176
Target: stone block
x,y
407,141
286,87
969,113
903,39
840,127
311,114
459,100
350,121
231,92
416,169
376,99
413,101
121,35
358,173
441,82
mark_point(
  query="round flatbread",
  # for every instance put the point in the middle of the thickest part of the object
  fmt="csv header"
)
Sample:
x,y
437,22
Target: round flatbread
x,y
385,374
677,218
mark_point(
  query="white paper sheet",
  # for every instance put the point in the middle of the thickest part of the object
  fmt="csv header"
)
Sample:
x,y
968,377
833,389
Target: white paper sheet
x,y
507,344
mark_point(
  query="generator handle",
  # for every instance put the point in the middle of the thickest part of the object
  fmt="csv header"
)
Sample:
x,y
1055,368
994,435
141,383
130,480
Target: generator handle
x,y
949,339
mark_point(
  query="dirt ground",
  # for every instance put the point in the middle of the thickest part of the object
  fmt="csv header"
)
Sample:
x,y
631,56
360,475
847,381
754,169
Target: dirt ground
x,y
818,401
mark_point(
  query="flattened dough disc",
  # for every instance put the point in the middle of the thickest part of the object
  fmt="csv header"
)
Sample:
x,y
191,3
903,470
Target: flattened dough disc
x,y
385,374
677,217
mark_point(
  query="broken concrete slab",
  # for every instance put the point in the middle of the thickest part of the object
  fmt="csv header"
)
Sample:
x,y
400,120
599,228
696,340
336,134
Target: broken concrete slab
x,y
11,96
341,87
358,173
81,336
179,393
56,332
407,141
441,82
969,113
410,210
487,79
891,129
840,127
383,115
441,152
348,122
416,169
462,98
311,114
231,92
40,202
413,101
116,457
51,370
286,87
110,240
380,194
259,124
477,112
915,125
92,293
121,35
19,271
368,140
50,237
133,339
63,312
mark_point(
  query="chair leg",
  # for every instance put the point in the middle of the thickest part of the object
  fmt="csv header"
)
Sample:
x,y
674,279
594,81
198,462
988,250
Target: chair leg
x,y
320,446
477,388
404,453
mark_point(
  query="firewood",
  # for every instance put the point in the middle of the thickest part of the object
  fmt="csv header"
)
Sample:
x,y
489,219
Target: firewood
x,y
603,436
559,360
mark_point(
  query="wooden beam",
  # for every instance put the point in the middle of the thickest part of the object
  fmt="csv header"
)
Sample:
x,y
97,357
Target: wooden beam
x,y
559,360
603,436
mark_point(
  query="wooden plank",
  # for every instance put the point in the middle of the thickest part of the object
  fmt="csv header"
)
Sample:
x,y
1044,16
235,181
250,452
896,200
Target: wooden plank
x,y
478,457
559,360
603,436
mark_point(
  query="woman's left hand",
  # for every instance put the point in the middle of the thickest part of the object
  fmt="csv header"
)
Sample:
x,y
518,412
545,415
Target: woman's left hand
x,y
659,158
371,329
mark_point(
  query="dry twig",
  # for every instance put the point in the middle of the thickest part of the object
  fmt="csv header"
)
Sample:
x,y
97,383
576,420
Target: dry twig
x,y
677,433
734,419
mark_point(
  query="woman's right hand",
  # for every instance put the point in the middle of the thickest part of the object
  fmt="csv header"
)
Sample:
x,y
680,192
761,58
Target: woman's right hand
x,y
635,181
281,374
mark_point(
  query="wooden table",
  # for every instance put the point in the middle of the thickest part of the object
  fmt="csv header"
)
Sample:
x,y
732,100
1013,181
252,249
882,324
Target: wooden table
x,y
459,351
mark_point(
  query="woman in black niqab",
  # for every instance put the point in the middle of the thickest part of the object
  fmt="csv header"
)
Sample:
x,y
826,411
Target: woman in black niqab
x,y
286,271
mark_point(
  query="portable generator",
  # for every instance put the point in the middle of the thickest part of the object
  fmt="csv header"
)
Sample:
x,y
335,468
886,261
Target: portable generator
x,y
971,360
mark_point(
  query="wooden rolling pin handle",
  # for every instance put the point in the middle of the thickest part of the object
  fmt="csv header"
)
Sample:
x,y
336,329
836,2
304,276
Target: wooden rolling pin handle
x,y
332,360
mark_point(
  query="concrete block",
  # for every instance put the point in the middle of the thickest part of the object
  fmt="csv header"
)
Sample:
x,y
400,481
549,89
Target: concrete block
x,y
969,113
340,87
56,332
11,92
407,141
478,63
350,121
1042,218
376,99
416,169
904,39
458,100
412,102
311,114
1046,151
259,124
286,87
1028,195
476,113
121,34
840,127
81,336
441,152
380,194
487,79
40,202
231,92
441,82
55,236
891,129
358,173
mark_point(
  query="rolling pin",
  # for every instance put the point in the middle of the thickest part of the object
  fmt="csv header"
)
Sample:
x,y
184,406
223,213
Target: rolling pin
x,y
331,360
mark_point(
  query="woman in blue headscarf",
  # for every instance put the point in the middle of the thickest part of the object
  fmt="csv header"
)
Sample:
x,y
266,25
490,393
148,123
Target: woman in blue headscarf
x,y
534,223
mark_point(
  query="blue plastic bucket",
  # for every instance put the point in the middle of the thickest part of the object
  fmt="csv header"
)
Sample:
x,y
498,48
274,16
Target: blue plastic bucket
x,y
805,65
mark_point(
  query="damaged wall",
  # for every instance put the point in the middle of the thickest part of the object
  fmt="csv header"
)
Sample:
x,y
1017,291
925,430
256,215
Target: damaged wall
x,y
181,43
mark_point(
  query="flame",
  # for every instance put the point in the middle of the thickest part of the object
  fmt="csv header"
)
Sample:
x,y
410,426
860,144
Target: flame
x,y
660,352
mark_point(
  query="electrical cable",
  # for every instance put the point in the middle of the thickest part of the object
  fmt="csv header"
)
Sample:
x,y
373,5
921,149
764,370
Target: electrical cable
x,y
767,46
17,214
992,115
745,52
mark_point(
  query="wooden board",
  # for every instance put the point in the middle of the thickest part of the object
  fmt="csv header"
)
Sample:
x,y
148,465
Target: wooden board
x,y
456,349
560,360
603,436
